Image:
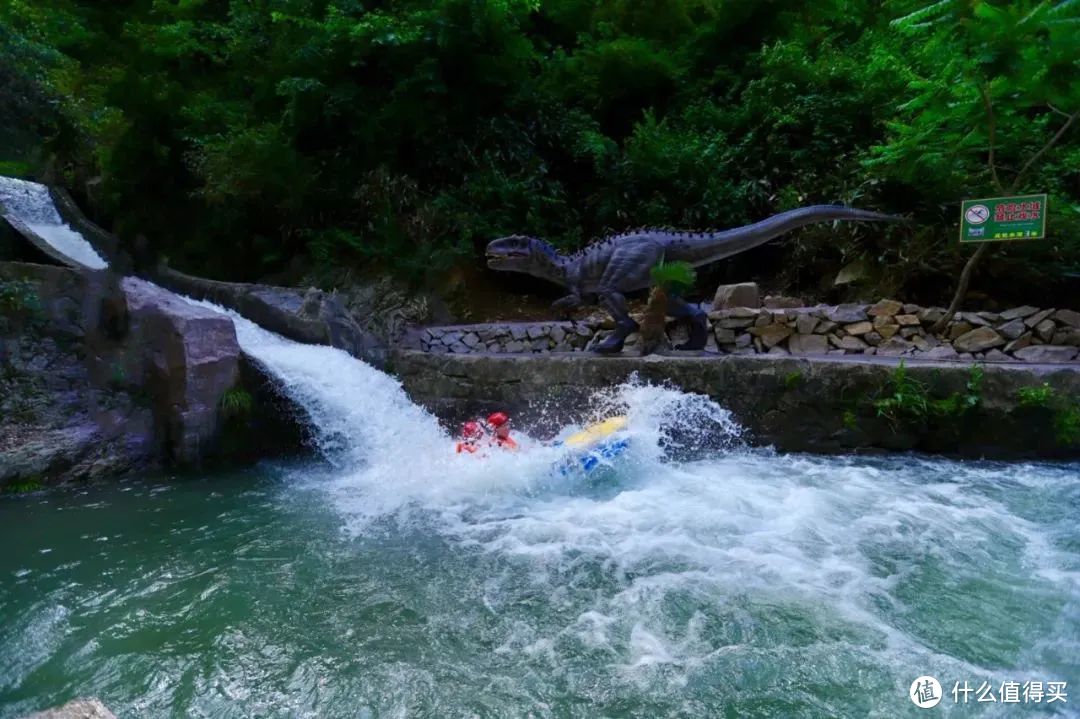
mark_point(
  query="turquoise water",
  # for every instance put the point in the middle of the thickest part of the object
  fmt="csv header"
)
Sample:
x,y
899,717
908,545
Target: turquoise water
x,y
740,583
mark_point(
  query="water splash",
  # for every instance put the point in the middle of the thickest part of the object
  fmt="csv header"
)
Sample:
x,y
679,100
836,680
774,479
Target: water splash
x,y
31,203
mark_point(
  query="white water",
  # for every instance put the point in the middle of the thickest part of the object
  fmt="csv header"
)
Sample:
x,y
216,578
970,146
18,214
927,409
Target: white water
x,y
31,203
756,543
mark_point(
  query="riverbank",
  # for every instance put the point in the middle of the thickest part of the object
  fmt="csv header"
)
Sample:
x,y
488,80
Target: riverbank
x,y
828,404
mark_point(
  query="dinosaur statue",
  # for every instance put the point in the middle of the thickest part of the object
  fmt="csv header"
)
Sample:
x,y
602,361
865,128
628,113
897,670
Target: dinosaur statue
x,y
604,271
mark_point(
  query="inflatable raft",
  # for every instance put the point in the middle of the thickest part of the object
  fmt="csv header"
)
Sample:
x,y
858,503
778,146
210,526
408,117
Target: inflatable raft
x,y
597,443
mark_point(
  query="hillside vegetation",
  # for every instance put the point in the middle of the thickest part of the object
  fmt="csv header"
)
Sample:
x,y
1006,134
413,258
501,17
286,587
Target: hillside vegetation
x,y
402,135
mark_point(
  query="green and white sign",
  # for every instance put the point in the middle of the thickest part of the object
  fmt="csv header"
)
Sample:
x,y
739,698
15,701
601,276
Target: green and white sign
x,y
1000,219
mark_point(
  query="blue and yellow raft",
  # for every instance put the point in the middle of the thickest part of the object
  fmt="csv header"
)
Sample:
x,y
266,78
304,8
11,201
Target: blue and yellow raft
x,y
599,442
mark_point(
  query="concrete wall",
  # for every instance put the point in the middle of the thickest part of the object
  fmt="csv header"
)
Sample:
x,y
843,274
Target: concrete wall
x,y
794,404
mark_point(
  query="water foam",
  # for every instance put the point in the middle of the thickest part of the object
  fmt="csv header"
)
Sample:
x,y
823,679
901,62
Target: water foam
x,y
32,204
693,556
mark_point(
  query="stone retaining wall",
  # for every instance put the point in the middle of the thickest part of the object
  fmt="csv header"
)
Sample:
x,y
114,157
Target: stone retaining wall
x,y
887,328
816,404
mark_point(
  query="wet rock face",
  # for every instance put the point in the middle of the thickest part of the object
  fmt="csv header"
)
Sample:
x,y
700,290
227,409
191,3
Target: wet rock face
x,y
310,316
67,409
191,359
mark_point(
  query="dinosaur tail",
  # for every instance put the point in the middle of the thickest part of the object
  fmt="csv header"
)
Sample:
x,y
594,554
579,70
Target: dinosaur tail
x,y
713,246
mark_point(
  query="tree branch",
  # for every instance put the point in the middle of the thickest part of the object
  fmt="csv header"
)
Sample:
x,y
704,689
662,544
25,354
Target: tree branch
x,y
1053,140
969,266
991,130
1060,112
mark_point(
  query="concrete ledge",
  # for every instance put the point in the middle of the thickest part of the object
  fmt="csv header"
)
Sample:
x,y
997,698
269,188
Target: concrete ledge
x,y
793,403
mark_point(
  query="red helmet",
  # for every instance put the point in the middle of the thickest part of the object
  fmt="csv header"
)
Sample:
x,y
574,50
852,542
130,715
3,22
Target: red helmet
x,y
497,419
471,430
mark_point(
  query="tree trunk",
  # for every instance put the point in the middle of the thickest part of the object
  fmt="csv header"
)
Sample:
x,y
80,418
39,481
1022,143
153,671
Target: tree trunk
x,y
961,288
653,330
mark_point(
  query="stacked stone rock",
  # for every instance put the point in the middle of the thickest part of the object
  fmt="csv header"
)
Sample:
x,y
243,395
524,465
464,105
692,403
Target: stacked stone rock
x,y
515,337
888,328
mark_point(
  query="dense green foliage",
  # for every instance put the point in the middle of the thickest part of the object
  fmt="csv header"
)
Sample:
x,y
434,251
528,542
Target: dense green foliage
x,y
907,400
239,135
675,277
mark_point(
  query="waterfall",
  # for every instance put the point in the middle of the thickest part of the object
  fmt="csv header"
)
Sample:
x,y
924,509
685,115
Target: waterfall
x,y
31,204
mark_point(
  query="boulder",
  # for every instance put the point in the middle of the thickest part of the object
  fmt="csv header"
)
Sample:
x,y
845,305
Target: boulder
x,y
888,331
1012,329
1018,313
771,335
885,308
996,355
930,315
849,344
907,320
894,347
1019,343
944,352
1067,336
805,324
744,294
191,358
1038,318
1045,330
1068,317
922,343
781,303
858,328
724,336
975,319
825,327
1046,353
808,344
979,339
956,329
846,314
872,338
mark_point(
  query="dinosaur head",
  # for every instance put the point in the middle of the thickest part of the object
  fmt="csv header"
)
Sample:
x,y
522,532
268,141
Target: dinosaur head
x,y
521,253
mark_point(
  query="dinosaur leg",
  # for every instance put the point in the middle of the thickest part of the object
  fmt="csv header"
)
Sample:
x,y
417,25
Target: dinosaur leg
x,y
627,267
566,305
615,303
699,328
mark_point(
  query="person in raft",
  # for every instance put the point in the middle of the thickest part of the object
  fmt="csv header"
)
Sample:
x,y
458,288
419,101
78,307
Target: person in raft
x,y
471,434
500,426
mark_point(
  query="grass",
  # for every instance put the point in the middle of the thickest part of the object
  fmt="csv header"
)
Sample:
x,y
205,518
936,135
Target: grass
x,y
1065,411
907,399
24,486
236,403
